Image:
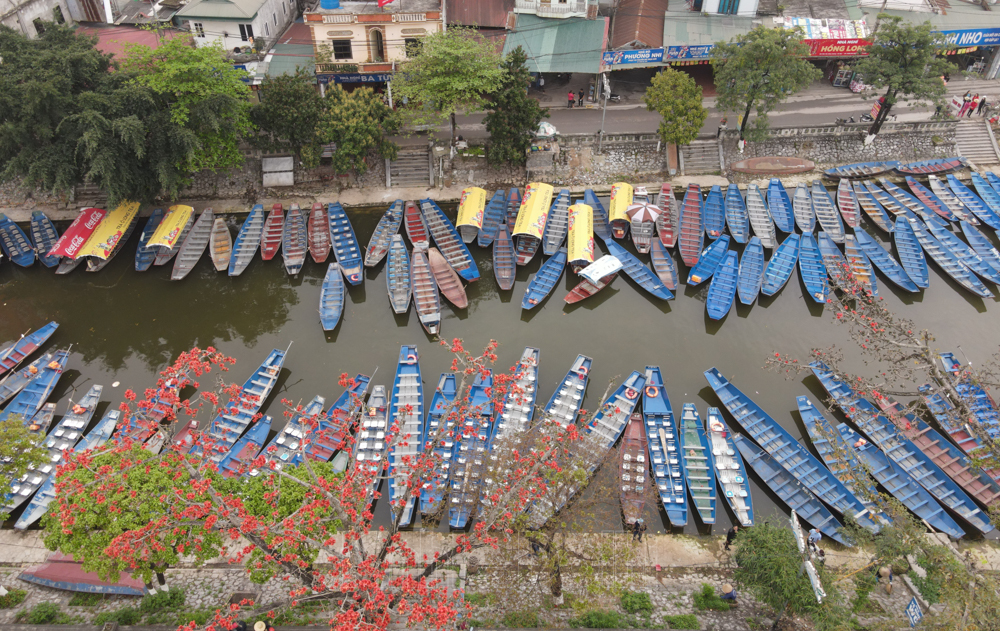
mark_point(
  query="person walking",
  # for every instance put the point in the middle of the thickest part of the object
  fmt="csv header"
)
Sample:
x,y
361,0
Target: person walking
x,y
731,535
579,100
571,98
983,102
966,101
972,106
722,127
814,538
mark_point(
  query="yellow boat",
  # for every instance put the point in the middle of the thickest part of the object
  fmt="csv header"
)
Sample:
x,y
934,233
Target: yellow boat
x,y
621,198
581,236
470,213
170,228
111,231
531,220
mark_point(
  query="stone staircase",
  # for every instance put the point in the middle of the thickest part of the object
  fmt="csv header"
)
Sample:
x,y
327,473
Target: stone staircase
x,y
701,156
412,167
89,195
975,142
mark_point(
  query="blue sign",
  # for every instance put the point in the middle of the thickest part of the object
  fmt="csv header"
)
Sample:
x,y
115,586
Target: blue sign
x,y
914,613
354,78
622,57
689,52
976,37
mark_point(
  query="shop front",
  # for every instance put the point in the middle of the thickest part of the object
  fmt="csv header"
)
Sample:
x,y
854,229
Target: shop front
x,y
976,50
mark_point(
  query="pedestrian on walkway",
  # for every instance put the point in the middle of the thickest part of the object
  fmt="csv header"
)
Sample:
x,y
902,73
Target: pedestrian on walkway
x,y
966,102
579,100
983,102
814,538
722,127
637,529
731,535
571,98
972,106
541,83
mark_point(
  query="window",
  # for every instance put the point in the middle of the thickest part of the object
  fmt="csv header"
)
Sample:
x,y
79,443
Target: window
x,y
199,29
246,32
376,44
57,14
274,16
39,27
341,48
413,47
267,31
284,10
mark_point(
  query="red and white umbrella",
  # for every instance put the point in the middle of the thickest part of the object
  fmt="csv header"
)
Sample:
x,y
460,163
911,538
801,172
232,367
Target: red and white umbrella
x,y
642,212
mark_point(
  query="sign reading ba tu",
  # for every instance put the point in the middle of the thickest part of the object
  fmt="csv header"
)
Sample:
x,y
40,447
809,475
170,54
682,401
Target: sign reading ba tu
x,y
354,78
914,613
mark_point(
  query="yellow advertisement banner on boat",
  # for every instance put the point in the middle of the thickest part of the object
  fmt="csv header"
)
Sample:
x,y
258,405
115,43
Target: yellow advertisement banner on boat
x,y
170,228
104,240
471,207
534,210
581,234
621,199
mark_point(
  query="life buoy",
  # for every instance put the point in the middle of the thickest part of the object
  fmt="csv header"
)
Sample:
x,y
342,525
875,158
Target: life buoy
x,y
353,277
652,391
411,358
583,370
630,393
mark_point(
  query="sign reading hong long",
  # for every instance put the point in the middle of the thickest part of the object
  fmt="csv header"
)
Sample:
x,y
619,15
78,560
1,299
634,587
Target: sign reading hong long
x,y
836,47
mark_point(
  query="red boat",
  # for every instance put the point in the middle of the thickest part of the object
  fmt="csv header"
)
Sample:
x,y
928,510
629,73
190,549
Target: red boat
x,y
633,470
513,206
319,233
666,226
416,227
448,282
586,289
270,238
692,233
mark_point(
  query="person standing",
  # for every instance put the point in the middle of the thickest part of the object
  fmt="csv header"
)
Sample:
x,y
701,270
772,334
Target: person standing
x,y
966,101
814,539
579,100
731,535
972,106
571,98
983,102
722,127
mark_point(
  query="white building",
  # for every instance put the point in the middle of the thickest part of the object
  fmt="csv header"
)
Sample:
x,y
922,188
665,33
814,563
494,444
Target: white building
x,y
236,23
557,8
29,16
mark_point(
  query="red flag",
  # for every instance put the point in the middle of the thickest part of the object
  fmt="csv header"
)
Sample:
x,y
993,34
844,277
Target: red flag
x,y
382,3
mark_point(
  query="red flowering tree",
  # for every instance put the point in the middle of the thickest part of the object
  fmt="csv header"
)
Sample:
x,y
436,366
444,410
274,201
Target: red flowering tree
x,y
126,508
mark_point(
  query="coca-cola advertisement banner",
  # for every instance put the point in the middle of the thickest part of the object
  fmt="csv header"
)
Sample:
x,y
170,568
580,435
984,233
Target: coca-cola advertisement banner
x,y
79,231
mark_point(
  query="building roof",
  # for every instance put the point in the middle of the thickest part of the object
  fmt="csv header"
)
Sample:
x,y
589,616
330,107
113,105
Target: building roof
x,y
559,45
359,7
112,39
958,17
481,13
817,9
221,9
687,28
639,24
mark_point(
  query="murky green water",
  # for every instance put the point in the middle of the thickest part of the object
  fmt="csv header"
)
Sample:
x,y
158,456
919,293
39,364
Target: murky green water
x,y
125,326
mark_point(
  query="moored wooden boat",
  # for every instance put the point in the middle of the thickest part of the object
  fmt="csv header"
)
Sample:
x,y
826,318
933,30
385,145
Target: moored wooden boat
x,y
986,192
633,470
531,218
294,241
13,354
722,291
580,244
859,264
833,260
406,411
332,431
194,245
947,197
416,227
691,228
601,226
666,223
736,214
587,288
805,219
288,447
884,261
622,195
930,199
171,233
144,255
564,405
345,244
331,298
664,266
101,248
222,245
319,233
713,212
37,388
982,245
639,273
448,282
448,242
910,202
15,243
556,224
939,166
468,464
847,203
709,260
493,216
471,207
513,205
969,257
751,275
826,212
544,281
270,236
371,444
426,299
44,236
779,269
949,260
861,170
504,260
872,208
911,255
18,380
973,202
397,275
664,448
760,218
440,425
247,241
886,200
238,460
734,483
812,270
643,233
699,470
779,206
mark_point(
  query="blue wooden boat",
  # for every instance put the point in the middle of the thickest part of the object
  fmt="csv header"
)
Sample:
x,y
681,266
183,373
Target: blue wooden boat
x,y
944,413
35,391
514,206
426,299
779,269
564,405
345,245
898,482
664,448
912,203
663,265
440,424
826,212
47,493
288,447
699,467
780,206
734,483
722,291
44,237
736,214
994,181
832,258
642,275
713,212
887,201
948,198
973,202
385,230
861,170
14,353
556,224
406,412
495,213
959,261
545,280
982,245
504,259
19,379
859,264
397,275
966,254
468,464
709,261
144,255
14,243
911,255
448,242
802,207
601,226
760,217
930,200
238,461
369,449
751,275
331,433
987,193
788,452
691,226
902,451
791,491
812,270
938,166
872,208
331,298
836,455
247,241
884,261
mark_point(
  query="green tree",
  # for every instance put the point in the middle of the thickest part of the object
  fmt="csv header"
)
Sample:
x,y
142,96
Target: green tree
x,y
676,97
19,451
454,70
358,123
207,96
905,61
288,114
756,71
513,117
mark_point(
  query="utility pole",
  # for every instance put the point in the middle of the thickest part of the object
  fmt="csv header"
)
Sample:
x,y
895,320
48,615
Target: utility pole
x,y
444,16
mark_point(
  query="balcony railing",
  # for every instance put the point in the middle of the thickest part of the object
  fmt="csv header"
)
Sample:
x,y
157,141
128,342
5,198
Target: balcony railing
x,y
553,9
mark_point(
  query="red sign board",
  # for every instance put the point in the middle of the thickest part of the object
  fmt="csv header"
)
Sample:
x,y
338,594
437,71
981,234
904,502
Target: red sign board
x,y
79,231
836,47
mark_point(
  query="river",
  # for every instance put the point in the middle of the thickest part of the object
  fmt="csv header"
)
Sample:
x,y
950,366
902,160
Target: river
x,y
126,326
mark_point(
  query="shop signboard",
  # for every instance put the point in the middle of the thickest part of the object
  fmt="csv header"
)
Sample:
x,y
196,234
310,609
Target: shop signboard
x,y
355,78
689,52
973,37
629,57
836,47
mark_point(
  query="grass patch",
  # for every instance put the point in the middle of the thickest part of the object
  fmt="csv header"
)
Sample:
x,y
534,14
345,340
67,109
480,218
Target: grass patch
x,y
85,599
599,619
526,619
481,600
685,621
198,616
44,613
708,600
13,598
482,623
635,602
125,616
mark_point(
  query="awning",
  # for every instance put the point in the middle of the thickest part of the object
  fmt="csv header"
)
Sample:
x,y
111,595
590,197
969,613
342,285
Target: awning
x,y
104,240
559,45
79,231
171,226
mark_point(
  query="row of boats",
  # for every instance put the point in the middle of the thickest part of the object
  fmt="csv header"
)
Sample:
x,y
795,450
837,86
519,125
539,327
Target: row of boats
x,y
692,463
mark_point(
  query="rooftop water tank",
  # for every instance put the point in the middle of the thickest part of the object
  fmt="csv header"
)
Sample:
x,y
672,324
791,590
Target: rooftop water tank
x,y
329,4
